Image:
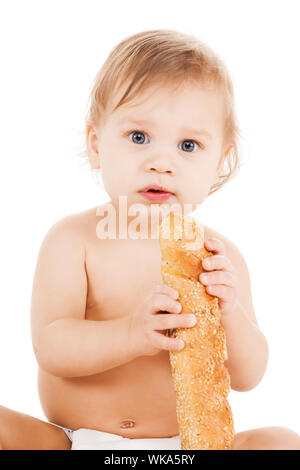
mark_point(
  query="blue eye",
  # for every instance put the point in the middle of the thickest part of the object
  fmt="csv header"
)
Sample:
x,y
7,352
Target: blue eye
x,y
189,145
138,137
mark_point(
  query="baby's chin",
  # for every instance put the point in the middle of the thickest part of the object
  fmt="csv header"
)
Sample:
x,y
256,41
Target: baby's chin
x,y
156,213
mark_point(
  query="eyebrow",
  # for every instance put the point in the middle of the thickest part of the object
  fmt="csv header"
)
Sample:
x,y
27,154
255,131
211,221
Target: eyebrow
x,y
144,122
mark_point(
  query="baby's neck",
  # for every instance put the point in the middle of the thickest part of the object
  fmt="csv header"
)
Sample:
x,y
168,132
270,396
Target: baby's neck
x,y
119,224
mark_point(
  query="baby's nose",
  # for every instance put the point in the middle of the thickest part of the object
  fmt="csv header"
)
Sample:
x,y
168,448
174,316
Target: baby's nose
x,y
160,171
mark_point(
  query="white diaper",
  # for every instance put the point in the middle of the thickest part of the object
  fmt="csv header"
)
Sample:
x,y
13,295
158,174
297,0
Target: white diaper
x,y
90,439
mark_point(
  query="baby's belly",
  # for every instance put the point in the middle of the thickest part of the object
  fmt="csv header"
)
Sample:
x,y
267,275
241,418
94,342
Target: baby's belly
x,y
134,400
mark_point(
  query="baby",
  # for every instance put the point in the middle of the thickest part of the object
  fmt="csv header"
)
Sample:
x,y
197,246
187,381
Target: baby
x,y
162,130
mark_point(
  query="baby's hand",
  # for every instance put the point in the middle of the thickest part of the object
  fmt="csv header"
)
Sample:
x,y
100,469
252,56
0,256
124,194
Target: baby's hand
x,y
148,319
221,282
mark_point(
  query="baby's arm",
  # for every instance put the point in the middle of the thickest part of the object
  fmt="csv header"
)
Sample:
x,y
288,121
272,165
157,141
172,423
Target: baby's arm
x,y
227,277
65,344
247,346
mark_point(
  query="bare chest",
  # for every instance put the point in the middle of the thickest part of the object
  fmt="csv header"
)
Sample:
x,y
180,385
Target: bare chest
x,y
120,274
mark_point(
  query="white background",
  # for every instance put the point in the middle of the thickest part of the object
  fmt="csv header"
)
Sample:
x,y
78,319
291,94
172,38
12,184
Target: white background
x,y
50,54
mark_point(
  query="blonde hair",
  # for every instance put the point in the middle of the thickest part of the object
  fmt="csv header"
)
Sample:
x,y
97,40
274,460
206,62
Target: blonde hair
x,y
172,58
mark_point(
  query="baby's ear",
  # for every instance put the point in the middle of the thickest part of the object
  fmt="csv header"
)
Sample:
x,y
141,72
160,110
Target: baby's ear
x,y
94,161
92,147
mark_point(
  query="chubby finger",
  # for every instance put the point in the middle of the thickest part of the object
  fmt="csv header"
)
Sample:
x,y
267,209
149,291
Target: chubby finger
x,y
217,277
164,289
163,302
164,342
167,322
217,262
215,245
223,292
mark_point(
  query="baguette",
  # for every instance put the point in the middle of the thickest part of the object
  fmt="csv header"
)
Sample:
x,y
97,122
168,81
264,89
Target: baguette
x,y
200,378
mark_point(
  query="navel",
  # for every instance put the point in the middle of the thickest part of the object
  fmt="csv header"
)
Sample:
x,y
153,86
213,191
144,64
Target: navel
x,y
128,423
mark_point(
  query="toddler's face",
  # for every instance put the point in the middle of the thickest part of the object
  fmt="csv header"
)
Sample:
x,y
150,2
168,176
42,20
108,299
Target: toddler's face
x,y
172,139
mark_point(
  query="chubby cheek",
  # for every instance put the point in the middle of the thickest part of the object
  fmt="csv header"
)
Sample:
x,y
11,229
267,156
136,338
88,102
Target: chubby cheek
x,y
196,189
194,194
117,176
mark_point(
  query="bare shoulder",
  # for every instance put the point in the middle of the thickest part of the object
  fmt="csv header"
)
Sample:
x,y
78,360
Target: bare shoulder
x,y
78,226
241,268
71,235
60,281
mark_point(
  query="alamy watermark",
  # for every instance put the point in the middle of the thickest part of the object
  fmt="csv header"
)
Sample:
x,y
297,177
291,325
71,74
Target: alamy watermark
x,y
140,220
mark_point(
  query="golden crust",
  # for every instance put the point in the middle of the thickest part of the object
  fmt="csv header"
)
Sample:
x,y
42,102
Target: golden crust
x,y
201,380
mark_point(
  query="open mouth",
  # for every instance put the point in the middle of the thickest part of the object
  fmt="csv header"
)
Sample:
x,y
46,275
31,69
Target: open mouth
x,y
156,191
155,194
